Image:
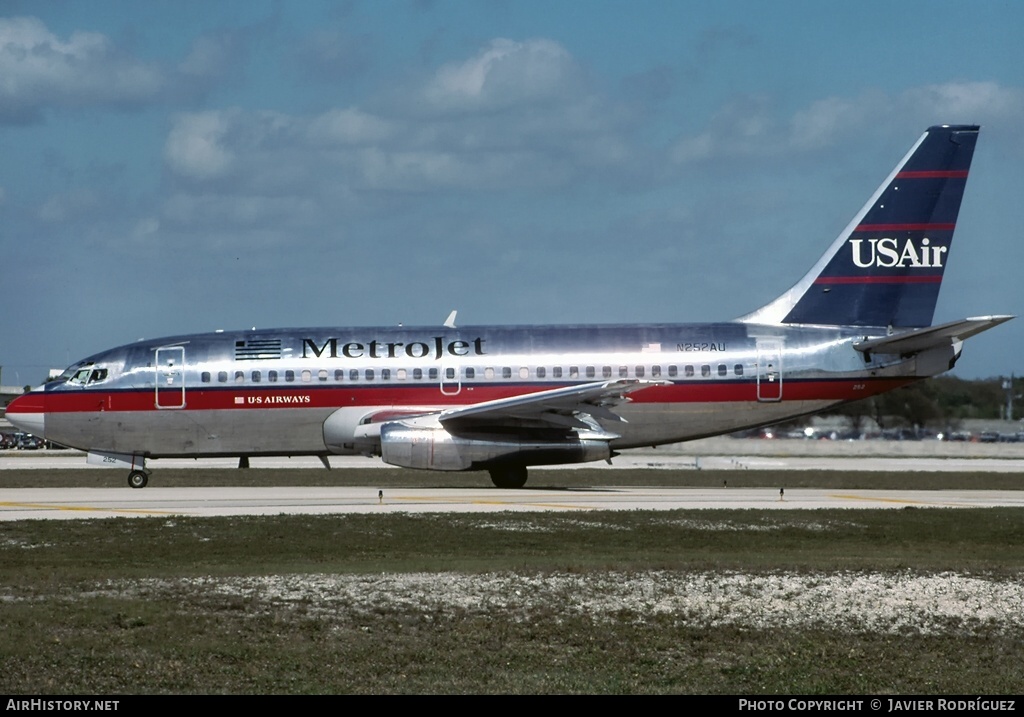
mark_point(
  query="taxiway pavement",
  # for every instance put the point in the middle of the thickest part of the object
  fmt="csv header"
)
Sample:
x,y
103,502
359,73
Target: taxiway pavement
x,y
69,503
72,503
663,459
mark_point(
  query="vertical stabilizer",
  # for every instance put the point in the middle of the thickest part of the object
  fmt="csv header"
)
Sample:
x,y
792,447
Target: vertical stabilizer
x,y
886,267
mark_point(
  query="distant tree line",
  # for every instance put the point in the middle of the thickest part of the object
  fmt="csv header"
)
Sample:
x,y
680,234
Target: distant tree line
x,y
941,403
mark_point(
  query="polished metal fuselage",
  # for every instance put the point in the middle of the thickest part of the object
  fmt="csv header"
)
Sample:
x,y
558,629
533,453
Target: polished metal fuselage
x,y
307,391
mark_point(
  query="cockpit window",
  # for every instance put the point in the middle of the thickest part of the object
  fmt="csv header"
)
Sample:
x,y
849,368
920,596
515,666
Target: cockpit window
x,y
88,375
81,376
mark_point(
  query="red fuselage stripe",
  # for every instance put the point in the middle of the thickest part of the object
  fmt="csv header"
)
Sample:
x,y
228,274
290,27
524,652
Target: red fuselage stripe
x,y
315,397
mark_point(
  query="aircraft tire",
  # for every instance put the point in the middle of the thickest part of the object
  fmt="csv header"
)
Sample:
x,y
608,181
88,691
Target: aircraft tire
x,y
508,476
137,479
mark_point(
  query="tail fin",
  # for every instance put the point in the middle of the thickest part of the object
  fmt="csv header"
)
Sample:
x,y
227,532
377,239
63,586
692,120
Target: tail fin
x,y
886,267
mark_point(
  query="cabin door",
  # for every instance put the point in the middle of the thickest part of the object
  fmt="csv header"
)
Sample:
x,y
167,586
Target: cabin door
x,y
451,380
769,370
170,377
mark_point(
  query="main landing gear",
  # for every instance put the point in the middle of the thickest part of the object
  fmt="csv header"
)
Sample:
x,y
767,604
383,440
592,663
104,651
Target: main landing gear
x,y
508,476
138,479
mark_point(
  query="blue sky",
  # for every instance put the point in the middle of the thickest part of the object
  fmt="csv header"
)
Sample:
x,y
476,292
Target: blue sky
x,y
174,167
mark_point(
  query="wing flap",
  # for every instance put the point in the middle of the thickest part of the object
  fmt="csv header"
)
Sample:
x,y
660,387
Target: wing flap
x,y
570,406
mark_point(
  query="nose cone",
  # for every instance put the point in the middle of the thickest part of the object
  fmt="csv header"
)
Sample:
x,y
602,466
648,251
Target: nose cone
x,y
28,413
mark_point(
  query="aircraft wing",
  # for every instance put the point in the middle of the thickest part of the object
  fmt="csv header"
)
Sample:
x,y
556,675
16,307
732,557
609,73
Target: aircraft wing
x,y
911,342
566,407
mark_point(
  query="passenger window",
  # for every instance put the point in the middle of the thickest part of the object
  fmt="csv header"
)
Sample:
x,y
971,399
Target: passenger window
x,y
470,373
369,374
673,370
401,374
506,372
204,377
623,372
222,377
541,372
639,371
591,372
307,375
488,373
449,373
606,372
256,376
688,371
432,374
738,369
239,376
385,374
574,372
655,371
353,374
339,374
289,376
556,372
723,370
322,374
272,376
524,372
705,370
417,374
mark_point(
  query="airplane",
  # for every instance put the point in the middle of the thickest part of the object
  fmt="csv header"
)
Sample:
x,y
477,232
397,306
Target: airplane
x,y
502,399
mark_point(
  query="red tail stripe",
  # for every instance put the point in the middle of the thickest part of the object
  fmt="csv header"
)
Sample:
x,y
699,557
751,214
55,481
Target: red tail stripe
x,y
933,279
905,227
934,174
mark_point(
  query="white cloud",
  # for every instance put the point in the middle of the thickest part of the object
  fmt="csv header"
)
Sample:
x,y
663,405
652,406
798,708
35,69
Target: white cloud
x,y
504,73
71,205
511,116
351,126
332,54
208,56
39,69
743,126
819,124
240,210
145,228
195,146
967,102
748,126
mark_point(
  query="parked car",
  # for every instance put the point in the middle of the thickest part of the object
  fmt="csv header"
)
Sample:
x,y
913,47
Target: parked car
x,y
28,442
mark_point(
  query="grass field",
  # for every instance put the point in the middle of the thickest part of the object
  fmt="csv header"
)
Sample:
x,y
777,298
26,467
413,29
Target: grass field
x,y
733,602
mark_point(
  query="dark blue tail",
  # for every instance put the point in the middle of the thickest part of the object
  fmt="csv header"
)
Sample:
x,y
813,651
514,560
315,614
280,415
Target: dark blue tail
x,y
886,267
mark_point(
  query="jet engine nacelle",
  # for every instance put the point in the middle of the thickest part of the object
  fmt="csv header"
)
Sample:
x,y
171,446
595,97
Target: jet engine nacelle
x,y
434,448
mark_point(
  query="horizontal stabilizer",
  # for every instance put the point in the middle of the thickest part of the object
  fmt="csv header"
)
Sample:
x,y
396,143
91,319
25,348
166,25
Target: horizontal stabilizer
x,y
912,342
